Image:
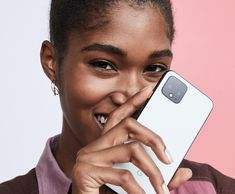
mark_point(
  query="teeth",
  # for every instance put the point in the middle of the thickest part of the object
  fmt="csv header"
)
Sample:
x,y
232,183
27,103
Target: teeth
x,y
102,119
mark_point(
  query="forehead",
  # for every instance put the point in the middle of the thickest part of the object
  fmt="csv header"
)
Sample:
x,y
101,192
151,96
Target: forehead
x,y
138,18
129,26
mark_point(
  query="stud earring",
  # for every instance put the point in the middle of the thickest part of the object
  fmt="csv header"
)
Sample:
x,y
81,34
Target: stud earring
x,y
54,88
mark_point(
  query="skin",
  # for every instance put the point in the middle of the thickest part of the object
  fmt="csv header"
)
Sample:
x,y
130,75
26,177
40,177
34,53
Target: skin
x,y
117,86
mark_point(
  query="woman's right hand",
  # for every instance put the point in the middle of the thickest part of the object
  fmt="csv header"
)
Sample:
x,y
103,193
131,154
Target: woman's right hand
x,y
93,167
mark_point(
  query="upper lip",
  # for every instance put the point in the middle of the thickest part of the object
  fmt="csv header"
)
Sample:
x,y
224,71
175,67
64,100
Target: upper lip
x,y
103,111
107,113
103,114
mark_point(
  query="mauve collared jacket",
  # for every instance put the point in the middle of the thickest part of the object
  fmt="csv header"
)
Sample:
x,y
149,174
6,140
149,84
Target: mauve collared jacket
x,y
202,173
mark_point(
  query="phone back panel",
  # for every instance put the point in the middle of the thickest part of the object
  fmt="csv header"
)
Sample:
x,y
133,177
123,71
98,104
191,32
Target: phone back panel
x,y
176,123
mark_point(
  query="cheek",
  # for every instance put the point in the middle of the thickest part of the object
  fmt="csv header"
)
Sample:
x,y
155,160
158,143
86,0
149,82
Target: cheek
x,y
86,90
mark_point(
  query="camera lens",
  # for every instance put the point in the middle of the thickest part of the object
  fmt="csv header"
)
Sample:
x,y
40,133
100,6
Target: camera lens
x,y
179,93
174,89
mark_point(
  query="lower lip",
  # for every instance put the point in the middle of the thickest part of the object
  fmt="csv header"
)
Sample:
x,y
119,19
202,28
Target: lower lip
x,y
100,126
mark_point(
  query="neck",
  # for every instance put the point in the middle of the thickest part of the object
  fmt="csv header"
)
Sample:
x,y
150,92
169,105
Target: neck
x,y
67,149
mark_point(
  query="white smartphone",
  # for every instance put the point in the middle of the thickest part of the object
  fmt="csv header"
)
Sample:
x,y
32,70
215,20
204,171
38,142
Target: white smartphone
x,y
176,112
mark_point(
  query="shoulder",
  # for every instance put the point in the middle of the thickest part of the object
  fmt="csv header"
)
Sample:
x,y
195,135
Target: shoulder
x,y
26,184
205,172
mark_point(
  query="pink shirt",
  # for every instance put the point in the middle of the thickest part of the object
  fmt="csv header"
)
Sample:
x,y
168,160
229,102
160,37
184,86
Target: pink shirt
x,y
52,180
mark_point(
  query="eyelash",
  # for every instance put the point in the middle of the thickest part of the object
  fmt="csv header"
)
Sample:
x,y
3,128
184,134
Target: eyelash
x,y
102,65
156,66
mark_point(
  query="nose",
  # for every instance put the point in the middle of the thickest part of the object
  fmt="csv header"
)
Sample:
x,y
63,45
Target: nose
x,y
132,83
127,87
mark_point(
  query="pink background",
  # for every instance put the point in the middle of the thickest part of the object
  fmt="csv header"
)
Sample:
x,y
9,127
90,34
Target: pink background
x,y
204,53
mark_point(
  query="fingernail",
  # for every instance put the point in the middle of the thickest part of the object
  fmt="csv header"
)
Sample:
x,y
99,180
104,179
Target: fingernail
x,y
169,157
165,189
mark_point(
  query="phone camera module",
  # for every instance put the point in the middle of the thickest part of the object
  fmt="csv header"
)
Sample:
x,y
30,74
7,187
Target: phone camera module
x,y
174,89
169,86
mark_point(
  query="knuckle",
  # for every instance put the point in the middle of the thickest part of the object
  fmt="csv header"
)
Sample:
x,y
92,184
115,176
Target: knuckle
x,y
160,140
81,155
156,174
80,173
133,105
79,170
128,122
125,176
156,141
135,147
81,152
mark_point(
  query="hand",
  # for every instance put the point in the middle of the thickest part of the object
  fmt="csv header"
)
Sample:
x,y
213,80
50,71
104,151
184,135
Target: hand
x,y
93,167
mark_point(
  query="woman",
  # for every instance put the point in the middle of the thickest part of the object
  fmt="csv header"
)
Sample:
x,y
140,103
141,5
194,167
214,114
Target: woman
x,y
103,60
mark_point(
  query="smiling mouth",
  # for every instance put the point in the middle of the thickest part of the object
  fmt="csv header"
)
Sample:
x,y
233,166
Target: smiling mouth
x,y
101,119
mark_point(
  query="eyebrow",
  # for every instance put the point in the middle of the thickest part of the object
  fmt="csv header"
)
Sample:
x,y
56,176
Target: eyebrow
x,y
105,48
162,53
119,52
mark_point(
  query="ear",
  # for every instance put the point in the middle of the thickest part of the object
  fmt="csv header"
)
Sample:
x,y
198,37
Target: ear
x,y
48,60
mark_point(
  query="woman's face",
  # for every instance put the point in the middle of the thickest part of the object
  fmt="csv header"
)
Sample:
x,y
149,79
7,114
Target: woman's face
x,y
104,68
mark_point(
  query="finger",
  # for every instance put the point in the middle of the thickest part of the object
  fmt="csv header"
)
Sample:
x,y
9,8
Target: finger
x,y
123,178
130,128
128,108
132,152
182,175
88,178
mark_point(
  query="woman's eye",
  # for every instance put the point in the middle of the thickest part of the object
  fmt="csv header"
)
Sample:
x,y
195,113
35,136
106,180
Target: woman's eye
x,y
103,65
155,68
